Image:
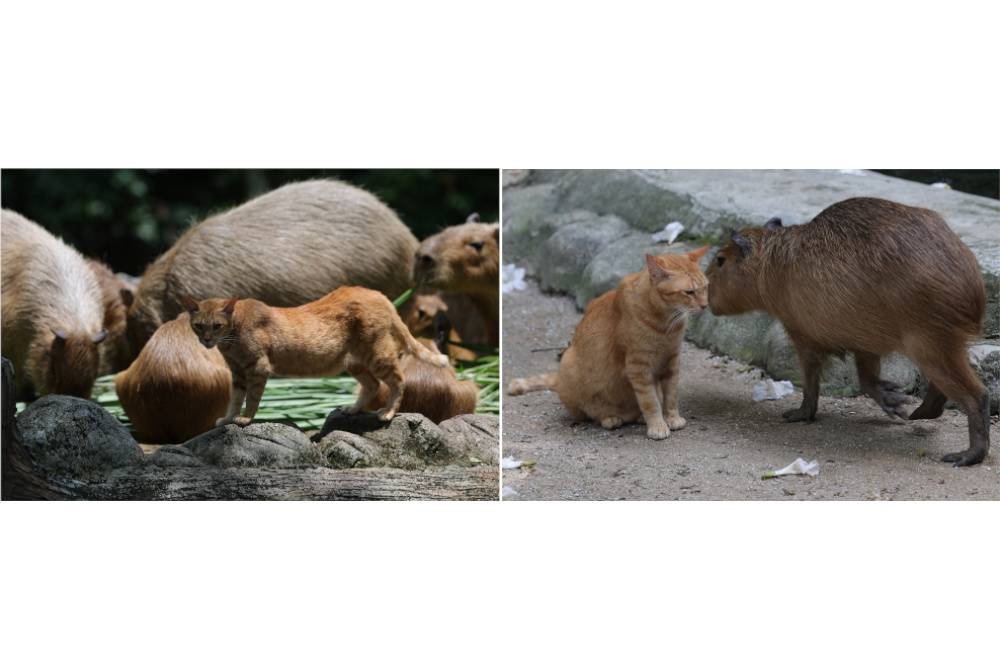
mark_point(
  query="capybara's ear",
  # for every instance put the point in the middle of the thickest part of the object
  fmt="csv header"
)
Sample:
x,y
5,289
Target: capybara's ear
x,y
496,232
655,268
472,218
189,304
61,335
229,306
99,337
698,253
773,222
741,242
127,297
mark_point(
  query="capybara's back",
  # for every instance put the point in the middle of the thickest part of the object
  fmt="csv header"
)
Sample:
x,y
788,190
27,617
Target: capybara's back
x,y
285,248
868,277
52,311
176,388
436,392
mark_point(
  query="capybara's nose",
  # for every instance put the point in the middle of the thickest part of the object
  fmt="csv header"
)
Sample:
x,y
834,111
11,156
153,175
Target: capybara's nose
x,y
426,260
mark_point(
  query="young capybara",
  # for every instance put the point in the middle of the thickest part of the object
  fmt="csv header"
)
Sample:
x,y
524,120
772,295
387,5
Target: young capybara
x,y
176,388
426,315
869,277
465,259
285,248
430,390
52,311
116,296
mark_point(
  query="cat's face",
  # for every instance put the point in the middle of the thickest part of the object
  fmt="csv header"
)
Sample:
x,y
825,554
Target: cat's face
x,y
211,320
678,281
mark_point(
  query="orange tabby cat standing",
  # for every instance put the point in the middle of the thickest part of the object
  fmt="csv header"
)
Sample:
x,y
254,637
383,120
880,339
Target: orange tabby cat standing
x,y
350,327
623,364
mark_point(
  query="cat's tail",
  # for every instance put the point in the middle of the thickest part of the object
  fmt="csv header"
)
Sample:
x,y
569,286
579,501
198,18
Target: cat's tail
x,y
524,385
410,343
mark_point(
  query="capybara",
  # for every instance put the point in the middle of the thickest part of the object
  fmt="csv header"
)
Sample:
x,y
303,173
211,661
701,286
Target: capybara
x,y
285,248
116,296
426,315
176,388
869,277
465,259
430,390
52,311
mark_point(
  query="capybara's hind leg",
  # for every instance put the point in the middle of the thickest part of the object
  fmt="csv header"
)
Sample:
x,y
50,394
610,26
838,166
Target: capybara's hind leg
x,y
948,369
368,388
812,368
888,395
933,405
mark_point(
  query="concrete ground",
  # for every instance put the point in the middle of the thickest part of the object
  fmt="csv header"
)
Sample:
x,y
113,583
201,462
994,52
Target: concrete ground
x,y
729,441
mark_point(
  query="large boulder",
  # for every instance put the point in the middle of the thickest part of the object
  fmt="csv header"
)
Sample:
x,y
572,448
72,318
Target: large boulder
x,y
75,438
258,445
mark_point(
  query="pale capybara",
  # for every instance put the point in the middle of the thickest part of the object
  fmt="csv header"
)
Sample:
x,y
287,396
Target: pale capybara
x,y
176,388
868,277
116,296
52,311
465,259
431,390
285,248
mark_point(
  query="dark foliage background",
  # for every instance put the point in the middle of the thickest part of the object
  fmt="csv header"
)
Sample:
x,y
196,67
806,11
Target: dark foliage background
x,y
978,182
128,217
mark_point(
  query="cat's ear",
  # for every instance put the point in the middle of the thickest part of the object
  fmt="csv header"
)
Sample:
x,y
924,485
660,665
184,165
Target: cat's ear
x,y
655,267
472,218
230,305
698,253
189,304
773,222
741,242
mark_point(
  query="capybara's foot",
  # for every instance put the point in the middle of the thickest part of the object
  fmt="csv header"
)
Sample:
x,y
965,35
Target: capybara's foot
x,y
657,430
926,411
386,414
676,421
971,456
242,421
799,414
891,399
611,422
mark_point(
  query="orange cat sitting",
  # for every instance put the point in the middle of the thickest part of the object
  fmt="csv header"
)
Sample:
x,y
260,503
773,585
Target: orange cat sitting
x,y
624,361
351,327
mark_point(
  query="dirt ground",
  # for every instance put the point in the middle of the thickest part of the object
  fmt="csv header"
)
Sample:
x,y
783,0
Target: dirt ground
x,y
729,441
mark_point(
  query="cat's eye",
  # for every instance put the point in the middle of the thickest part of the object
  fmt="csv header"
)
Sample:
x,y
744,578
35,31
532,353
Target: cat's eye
x,y
691,292
478,246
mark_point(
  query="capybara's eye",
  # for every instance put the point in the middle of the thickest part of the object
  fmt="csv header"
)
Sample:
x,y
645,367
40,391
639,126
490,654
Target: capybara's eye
x,y
421,313
720,260
478,246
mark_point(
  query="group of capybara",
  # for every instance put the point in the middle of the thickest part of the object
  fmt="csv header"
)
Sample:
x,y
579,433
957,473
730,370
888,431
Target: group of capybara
x,y
297,281
866,276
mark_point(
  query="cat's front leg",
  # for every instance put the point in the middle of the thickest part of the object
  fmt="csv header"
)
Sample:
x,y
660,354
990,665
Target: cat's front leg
x,y
256,381
670,385
647,394
237,395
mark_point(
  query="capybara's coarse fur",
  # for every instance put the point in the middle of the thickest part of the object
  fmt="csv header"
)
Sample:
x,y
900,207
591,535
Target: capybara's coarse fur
x,y
426,315
623,364
430,390
465,259
52,311
176,388
868,277
351,327
116,295
284,248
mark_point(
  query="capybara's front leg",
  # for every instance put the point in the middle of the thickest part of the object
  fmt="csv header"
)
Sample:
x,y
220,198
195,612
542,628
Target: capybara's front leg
x,y
888,395
256,381
812,368
647,394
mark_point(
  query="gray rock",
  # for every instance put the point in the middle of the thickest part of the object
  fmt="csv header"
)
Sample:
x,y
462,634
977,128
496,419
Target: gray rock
x,y
257,445
571,245
344,450
76,438
475,435
174,456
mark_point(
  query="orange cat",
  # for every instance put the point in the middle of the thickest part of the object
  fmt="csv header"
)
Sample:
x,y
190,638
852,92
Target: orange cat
x,y
351,327
624,362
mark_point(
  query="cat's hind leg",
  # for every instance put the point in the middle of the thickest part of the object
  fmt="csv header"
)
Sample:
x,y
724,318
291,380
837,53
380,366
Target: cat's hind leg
x,y
368,386
611,422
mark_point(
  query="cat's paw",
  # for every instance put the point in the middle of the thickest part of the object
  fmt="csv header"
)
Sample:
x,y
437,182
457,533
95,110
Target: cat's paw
x,y
386,415
676,422
221,421
611,422
242,421
658,430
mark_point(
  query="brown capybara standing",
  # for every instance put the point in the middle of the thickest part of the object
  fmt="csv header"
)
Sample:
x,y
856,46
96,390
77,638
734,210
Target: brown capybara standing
x,y
869,277
465,259
52,311
176,388
285,248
